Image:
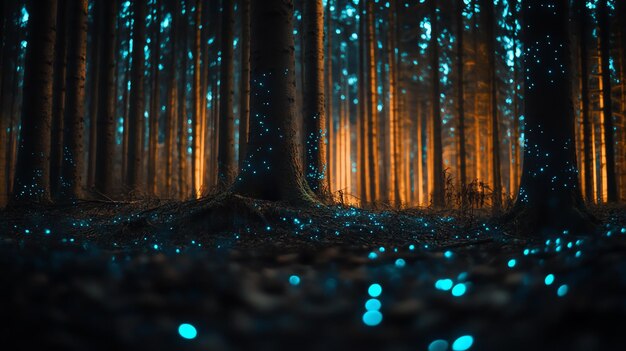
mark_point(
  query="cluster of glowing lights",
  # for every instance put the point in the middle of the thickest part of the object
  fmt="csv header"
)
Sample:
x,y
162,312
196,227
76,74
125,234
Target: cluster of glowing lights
x,y
372,316
462,343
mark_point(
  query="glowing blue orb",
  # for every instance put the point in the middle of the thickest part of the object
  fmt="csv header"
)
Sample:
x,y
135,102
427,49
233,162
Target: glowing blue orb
x,y
463,343
47,231
438,345
294,280
372,305
444,284
411,247
400,263
549,279
459,290
372,255
448,254
187,331
156,247
372,318
374,290
512,263
562,290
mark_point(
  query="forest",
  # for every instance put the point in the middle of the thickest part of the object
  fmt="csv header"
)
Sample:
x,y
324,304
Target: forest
x,y
313,174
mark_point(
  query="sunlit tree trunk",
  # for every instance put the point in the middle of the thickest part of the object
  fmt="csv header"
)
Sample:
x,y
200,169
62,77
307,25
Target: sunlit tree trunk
x,y
272,169
605,52
171,107
584,92
153,140
437,171
460,92
330,125
244,93
196,101
494,120
364,188
72,170
550,197
372,121
313,104
32,179
226,146
58,99
183,124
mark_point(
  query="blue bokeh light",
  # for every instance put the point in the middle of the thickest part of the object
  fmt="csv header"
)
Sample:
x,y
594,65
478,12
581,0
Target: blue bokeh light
x,y
549,279
372,305
375,290
187,331
463,343
459,290
372,318
438,345
444,284
294,280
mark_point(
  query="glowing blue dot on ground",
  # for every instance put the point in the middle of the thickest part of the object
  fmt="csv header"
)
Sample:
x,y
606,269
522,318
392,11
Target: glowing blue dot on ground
x,y
400,263
549,279
372,255
526,252
372,318
463,343
156,247
562,291
444,284
411,247
47,231
447,254
372,305
187,331
512,263
294,280
459,290
375,290
438,345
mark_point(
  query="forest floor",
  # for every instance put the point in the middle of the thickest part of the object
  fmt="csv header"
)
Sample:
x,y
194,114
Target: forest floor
x,y
252,275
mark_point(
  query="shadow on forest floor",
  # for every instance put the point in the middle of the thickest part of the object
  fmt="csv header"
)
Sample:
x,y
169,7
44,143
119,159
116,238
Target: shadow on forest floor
x,y
255,275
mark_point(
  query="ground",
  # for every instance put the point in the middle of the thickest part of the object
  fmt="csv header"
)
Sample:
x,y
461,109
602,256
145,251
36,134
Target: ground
x,y
254,275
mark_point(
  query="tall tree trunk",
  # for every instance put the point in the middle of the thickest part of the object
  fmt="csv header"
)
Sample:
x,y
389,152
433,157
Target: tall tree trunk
x,y
244,93
272,169
437,172
493,86
105,138
170,115
58,99
183,123
226,147
72,170
32,178
363,164
607,111
195,117
137,95
550,197
94,94
153,142
330,166
460,92
584,92
372,93
314,111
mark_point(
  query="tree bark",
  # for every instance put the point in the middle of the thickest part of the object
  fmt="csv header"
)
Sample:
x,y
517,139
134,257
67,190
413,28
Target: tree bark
x,y
438,199
226,147
493,86
94,72
272,169
460,93
584,92
153,121
72,170
58,99
372,121
244,93
32,178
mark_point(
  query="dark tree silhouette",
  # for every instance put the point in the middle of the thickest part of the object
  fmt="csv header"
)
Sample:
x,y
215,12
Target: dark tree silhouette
x,y
72,169
226,146
94,85
549,196
272,168
136,108
32,178
244,92
460,27
493,115
583,25
437,172
153,142
105,137
314,114
58,99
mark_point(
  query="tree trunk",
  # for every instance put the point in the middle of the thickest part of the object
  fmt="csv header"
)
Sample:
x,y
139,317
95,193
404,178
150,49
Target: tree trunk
x,y
549,197
493,86
437,172
153,141
94,72
460,93
272,169
584,92
226,147
607,111
136,109
58,99
72,170
314,111
244,93
364,189
183,123
105,138
32,178
170,115
372,93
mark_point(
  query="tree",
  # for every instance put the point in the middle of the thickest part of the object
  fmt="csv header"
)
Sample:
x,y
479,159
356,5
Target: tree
x,y
58,99
244,93
153,121
105,138
72,170
372,95
32,178
460,92
136,109
272,169
94,94
438,181
226,146
583,26
549,196
314,113
607,110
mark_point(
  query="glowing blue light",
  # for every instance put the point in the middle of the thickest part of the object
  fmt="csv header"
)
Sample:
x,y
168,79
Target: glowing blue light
x,y
447,254
438,345
400,263
444,284
372,255
463,343
187,331
512,263
156,247
294,280
549,279
372,305
375,290
47,231
459,290
562,291
372,318
526,252
411,247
